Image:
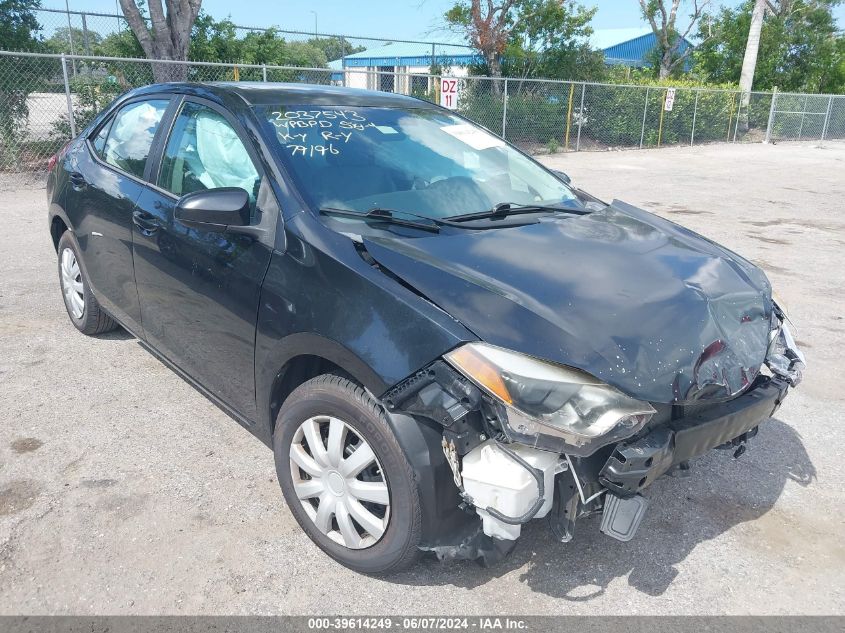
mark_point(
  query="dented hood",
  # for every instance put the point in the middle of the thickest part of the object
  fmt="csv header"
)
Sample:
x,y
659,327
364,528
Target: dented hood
x,y
655,310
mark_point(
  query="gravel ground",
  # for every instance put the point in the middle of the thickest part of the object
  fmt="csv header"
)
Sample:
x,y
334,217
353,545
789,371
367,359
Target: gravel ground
x,y
123,490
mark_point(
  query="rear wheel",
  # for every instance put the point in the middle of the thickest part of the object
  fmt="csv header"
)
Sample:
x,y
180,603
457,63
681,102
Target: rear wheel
x,y
345,478
82,308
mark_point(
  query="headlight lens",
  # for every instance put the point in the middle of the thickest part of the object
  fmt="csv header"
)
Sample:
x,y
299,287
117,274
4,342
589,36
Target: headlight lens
x,y
551,406
783,356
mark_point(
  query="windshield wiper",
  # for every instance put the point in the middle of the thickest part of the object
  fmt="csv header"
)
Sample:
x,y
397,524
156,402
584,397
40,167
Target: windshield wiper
x,y
386,215
504,209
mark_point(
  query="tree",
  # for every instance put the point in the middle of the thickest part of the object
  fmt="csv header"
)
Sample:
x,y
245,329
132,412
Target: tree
x,y
752,46
487,29
523,34
167,36
662,16
335,47
552,41
267,47
85,42
123,43
799,47
215,40
18,24
749,59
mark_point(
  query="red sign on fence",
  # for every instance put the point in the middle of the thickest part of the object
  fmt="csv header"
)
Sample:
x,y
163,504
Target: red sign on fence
x,y
449,93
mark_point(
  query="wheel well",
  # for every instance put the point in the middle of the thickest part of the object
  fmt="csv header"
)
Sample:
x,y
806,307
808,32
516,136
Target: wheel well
x,y
295,372
57,227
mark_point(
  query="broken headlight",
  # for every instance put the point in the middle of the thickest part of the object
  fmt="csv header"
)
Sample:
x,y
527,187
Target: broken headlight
x,y
783,356
550,406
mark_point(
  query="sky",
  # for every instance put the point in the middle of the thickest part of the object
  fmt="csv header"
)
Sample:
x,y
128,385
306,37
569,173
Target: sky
x,y
401,19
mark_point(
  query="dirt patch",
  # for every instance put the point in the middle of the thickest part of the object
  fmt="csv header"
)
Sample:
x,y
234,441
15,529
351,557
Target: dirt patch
x,y
18,495
687,212
26,445
763,223
676,209
98,483
762,263
768,240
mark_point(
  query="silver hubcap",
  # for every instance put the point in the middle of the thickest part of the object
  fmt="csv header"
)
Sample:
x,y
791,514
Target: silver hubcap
x,y
72,284
339,482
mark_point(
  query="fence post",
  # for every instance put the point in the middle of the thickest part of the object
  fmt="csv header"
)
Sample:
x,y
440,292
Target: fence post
x,y
694,115
803,114
85,39
67,96
70,36
827,116
730,120
771,115
580,117
504,107
343,61
739,111
264,73
645,109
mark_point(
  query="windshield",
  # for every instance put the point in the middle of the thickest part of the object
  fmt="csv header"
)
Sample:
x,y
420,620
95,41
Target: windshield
x,y
422,161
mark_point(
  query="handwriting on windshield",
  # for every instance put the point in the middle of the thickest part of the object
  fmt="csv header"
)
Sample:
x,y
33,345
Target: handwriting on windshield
x,y
312,150
336,128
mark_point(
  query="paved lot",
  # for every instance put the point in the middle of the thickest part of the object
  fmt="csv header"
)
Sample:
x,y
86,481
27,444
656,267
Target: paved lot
x,y
122,490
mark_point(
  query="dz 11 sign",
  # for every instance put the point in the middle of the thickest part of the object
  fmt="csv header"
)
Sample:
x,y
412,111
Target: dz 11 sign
x,y
670,99
449,93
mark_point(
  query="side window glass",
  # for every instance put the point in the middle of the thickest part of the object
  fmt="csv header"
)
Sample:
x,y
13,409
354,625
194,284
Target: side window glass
x,y
205,152
131,135
99,141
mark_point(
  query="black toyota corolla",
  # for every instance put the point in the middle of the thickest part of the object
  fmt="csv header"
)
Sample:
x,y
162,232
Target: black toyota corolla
x,y
440,338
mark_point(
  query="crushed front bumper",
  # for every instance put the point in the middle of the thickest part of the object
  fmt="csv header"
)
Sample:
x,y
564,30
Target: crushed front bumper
x,y
635,464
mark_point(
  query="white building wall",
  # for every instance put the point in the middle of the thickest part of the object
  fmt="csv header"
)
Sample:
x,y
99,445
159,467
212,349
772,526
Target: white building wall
x,y
368,78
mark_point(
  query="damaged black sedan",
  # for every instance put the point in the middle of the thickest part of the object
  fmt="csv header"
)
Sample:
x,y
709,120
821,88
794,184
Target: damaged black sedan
x,y
440,338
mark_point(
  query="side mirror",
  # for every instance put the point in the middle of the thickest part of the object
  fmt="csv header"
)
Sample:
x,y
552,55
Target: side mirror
x,y
214,209
562,175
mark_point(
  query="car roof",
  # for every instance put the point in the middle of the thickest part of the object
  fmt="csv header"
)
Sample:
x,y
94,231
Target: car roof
x,y
260,93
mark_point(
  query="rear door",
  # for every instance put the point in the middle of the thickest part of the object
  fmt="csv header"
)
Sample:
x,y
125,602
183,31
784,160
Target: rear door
x,y
199,289
105,181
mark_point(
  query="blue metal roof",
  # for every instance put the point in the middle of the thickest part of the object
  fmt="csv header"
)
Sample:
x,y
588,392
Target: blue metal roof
x,y
629,47
408,54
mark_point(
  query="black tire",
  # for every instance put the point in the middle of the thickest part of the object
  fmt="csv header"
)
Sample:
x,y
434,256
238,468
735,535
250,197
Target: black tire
x,y
93,320
332,395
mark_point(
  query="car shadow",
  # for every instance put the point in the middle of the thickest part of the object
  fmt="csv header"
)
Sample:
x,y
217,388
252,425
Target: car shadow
x,y
720,493
118,334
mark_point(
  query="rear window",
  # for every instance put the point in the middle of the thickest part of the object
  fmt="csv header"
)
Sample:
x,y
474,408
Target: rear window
x,y
130,136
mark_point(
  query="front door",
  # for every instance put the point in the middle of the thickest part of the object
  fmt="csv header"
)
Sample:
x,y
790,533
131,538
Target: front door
x,y
199,289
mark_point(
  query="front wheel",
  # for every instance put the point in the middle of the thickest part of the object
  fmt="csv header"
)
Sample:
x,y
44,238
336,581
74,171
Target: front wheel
x,y
345,478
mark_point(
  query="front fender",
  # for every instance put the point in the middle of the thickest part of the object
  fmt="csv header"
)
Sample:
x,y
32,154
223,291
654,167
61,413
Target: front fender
x,y
320,298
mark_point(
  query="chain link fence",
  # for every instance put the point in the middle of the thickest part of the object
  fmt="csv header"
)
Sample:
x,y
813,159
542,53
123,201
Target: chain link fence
x,y
91,33
43,104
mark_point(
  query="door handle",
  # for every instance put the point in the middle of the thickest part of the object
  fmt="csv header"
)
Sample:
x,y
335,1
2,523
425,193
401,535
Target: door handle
x,y
77,180
146,222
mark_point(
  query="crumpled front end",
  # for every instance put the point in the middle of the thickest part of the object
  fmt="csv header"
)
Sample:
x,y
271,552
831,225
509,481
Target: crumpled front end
x,y
644,305
508,472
